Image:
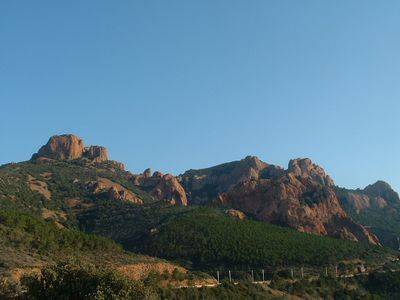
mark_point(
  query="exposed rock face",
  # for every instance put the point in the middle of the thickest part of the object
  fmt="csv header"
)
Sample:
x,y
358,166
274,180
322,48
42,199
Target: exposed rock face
x,y
39,186
205,184
70,147
96,153
162,187
304,168
383,190
62,147
358,201
376,206
114,191
374,197
302,197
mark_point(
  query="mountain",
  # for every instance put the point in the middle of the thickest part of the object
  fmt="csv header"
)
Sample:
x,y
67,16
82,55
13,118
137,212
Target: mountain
x,y
301,197
377,207
71,201
66,172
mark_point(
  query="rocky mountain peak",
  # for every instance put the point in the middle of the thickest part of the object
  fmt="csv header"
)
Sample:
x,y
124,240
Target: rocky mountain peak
x,y
382,189
71,147
304,167
254,162
62,147
96,153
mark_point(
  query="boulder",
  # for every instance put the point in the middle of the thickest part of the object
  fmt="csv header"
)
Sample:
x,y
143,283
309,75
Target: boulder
x,y
236,214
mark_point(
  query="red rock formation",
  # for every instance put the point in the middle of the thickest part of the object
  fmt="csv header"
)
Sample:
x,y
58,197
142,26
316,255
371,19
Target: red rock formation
x,y
114,191
383,190
374,197
70,147
302,197
162,187
358,202
201,185
96,153
304,168
62,147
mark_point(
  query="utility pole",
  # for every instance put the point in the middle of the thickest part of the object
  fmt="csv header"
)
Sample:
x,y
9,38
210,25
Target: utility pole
x,y
218,276
230,277
252,275
263,274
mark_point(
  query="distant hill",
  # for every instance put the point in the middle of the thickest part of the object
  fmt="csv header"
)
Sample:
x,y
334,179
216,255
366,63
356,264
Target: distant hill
x,y
377,207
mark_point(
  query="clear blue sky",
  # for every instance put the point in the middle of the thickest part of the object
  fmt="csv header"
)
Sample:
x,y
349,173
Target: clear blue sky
x,y
184,84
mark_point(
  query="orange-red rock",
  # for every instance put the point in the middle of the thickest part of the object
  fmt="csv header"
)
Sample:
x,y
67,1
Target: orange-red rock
x,y
162,187
113,190
70,147
301,197
96,153
62,147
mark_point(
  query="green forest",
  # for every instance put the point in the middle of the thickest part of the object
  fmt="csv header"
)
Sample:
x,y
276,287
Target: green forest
x,y
207,238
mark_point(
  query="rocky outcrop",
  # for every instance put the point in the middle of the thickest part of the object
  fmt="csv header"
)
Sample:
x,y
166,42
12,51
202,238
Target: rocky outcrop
x,y
375,196
71,147
205,184
304,168
162,187
235,214
358,202
376,206
112,190
96,154
62,147
39,186
301,197
382,190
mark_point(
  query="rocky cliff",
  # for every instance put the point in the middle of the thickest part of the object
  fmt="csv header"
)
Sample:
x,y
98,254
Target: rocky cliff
x,y
62,147
71,147
377,196
301,197
162,187
377,207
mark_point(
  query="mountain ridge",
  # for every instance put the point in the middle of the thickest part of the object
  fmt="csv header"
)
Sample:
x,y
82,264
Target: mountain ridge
x,y
302,196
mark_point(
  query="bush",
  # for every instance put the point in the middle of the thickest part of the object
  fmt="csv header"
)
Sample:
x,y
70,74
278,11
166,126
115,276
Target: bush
x,y
70,281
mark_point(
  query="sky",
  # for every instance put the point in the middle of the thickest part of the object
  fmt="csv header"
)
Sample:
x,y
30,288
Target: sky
x,y
175,85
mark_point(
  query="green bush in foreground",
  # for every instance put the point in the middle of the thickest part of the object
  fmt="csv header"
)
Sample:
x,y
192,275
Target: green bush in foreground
x,y
70,281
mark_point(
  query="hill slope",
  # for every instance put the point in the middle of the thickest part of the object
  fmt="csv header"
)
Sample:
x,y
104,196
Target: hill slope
x,y
377,207
209,238
28,244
